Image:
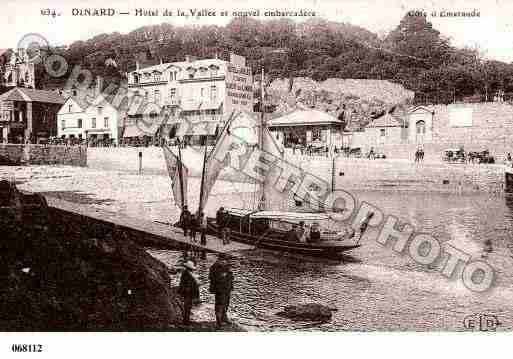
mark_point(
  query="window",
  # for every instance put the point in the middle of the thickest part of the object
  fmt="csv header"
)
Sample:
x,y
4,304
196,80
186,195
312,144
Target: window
x,y
146,94
421,127
79,123
172,93
74,92
70,108
93,122
63,124
106,122
383,132
136,78
213,92
316,134
156,77
157,96
100,109
213,71
202,92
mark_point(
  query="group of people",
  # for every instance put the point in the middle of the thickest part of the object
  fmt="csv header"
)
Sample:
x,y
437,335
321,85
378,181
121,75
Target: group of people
x,y
191,224
220,284
419,155
304,234
223,225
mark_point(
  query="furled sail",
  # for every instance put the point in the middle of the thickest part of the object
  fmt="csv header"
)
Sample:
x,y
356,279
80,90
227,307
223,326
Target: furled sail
x,y
178,173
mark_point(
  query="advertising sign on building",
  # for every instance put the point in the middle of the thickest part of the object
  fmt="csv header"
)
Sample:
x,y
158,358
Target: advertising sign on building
x,y
239,88
460,117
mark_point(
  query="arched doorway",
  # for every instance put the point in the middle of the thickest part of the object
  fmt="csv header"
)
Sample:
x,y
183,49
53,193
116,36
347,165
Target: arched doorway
x,y
420,129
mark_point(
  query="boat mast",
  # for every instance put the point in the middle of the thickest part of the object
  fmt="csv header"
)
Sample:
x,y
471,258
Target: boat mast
x,y
203,177
261,204
180,173
333,173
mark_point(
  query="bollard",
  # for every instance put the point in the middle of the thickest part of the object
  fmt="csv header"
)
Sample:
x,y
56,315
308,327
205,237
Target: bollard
x,y
140,162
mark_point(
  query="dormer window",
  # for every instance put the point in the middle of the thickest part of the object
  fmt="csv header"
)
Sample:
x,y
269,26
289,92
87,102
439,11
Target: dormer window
x,y
136,78
213,70
156,76
191,71
203,71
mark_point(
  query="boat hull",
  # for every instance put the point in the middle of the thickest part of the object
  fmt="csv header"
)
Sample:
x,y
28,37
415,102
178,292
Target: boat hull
x,y
322,249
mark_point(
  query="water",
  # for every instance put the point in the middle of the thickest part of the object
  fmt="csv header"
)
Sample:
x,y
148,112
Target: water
x,y
379,289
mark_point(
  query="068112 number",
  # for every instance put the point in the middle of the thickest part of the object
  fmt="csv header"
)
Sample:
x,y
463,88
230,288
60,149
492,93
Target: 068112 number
x,y
27,348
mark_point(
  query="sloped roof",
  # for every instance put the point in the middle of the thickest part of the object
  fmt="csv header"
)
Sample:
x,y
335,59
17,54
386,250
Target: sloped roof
x,y
79,101
387,120
304,117
182,64
31,95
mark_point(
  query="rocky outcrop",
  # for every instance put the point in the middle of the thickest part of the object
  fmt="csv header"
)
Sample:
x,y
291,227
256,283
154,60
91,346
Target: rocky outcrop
x,y
360,99
56,278
311,312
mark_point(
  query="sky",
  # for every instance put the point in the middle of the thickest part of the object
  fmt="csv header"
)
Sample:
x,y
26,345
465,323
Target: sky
x,y
492,31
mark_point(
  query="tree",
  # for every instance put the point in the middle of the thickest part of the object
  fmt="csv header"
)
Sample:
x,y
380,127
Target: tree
x,y
416,37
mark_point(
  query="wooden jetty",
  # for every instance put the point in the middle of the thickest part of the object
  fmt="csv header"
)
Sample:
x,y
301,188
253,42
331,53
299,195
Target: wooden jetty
x,y
151,233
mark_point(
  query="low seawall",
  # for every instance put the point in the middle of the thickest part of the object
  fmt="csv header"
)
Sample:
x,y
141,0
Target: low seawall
x,y
43,155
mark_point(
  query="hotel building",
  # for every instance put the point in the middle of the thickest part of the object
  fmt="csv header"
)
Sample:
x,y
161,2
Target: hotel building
x,y
194,97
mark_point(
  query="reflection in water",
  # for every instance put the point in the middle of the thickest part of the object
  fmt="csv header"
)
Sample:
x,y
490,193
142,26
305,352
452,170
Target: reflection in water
x,y
377,289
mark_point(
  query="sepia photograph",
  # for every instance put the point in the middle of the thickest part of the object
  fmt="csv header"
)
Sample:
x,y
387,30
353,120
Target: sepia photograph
x,y
300,168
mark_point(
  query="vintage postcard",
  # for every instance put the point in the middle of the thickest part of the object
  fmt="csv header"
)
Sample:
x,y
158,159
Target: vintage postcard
x,y
302,166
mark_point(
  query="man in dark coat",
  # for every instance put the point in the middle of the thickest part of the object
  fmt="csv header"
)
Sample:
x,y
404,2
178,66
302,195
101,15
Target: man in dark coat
x,y
185,219
221,284
220,222
189,290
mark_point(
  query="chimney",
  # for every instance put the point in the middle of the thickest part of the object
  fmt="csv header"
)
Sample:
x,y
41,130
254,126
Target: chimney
x,y
187,58
137,65
99,85
161,61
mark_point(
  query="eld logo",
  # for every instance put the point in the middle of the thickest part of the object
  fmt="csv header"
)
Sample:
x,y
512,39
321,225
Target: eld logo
x,y
481,322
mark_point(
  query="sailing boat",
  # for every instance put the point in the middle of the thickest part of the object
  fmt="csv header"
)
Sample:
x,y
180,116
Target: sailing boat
x,y
281,230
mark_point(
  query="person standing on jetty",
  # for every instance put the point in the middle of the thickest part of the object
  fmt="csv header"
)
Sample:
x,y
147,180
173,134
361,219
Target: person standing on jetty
x,y
220,222
189,290
193,226
185,218
203,228
221,284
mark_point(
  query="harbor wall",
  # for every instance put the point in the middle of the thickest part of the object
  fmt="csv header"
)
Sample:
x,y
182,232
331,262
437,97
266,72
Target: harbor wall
x,y
44,154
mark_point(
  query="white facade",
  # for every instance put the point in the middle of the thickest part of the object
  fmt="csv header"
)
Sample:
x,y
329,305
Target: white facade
x,y
206,90
70,120
99,121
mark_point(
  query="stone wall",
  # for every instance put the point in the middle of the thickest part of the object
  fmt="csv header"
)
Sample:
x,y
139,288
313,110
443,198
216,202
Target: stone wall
x,y
492,129
44,155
